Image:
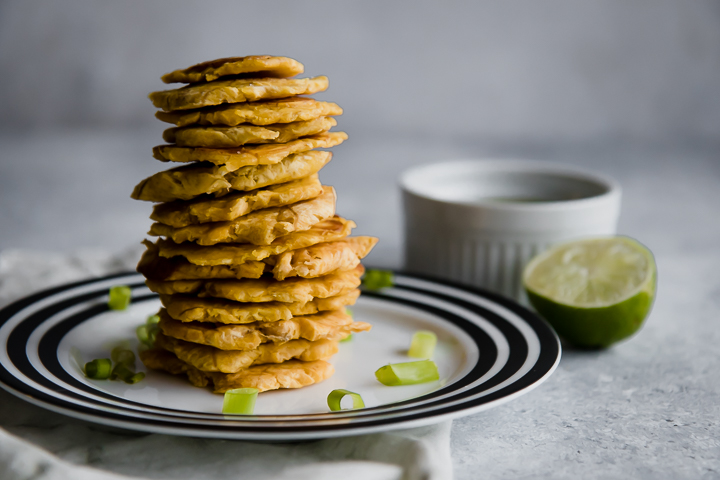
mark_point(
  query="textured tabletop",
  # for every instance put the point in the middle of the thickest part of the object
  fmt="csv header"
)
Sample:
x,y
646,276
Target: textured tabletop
x,y
647,408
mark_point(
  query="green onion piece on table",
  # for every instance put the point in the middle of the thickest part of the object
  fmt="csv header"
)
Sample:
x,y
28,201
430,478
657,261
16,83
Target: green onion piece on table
x,y
336,397
153,320
119,297
99,369
240,401
409,373
348,311
122,355
422,344
377,279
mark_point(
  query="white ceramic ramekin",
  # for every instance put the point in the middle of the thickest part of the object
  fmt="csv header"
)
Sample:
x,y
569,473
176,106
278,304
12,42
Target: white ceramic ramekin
x,y
464,221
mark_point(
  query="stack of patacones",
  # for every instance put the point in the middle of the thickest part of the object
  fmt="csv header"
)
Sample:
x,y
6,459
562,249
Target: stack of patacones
x,y
253,268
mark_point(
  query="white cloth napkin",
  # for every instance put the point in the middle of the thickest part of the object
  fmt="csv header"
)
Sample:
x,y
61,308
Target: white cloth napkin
x,y
41,445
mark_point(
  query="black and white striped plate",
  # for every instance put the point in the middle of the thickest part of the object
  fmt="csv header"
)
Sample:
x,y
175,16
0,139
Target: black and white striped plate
x,y
490,350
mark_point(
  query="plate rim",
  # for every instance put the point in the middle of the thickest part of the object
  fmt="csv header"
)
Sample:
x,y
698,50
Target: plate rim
x,y
208,431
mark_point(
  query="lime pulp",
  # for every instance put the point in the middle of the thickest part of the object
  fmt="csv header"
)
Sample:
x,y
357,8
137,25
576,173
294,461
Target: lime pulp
x,y
594,292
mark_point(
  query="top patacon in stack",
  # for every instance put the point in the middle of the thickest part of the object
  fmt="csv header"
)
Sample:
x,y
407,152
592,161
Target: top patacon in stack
x,y
253,268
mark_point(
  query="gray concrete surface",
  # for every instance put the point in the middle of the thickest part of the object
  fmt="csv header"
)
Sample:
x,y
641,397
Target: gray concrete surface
x,y
629,89
647,408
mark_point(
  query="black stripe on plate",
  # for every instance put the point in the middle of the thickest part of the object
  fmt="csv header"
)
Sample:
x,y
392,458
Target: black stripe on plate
x,y
423,406
540,370
17,339
515,341
10,310
50,342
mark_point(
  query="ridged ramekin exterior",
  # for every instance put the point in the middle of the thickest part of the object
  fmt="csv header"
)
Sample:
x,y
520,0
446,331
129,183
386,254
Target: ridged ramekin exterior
x,y
487,261
488,247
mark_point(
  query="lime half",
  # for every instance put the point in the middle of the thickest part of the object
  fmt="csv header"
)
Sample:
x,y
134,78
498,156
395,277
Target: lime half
x,y
594,292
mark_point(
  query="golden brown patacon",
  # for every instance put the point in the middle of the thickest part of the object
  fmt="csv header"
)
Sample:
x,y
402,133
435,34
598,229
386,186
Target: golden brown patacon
x,y
253,267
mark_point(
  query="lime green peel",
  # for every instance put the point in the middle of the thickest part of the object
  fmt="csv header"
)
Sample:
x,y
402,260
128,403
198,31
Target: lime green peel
x,y
408,373
593,292
240,401
119,297
422,344
378,279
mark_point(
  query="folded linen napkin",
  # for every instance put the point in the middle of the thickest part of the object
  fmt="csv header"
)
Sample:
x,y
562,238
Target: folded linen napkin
x,y
41,445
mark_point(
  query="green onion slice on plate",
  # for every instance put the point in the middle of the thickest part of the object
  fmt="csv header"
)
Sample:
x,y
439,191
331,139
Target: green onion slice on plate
x,y
122,355
153,319
119,297
147,333
123,371
99,369
422,344
347,339
153,330
142,334
240,401
409,373
336,397
377,279
135,378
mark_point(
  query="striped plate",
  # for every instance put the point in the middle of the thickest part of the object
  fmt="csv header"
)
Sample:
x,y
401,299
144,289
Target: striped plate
x,y
490,350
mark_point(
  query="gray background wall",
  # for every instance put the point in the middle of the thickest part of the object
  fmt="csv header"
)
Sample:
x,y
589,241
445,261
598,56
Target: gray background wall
x,y
549,69
629,88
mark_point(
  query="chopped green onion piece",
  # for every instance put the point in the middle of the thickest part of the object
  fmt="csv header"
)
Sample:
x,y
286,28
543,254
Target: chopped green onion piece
x,y
142,334
153,319
422,344
408,373
240,401
147,333
377,279
153,330
348,311
119,297
336,397
135,378
122,355
122,371
99,369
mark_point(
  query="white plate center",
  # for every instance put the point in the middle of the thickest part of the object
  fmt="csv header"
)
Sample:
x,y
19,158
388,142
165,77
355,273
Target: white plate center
x,y
355,364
